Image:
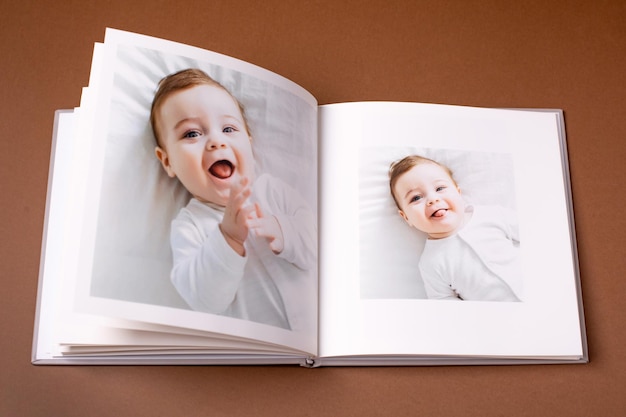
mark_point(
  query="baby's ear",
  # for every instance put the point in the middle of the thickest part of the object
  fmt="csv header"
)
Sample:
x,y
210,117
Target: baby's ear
x,y
401,213
165,161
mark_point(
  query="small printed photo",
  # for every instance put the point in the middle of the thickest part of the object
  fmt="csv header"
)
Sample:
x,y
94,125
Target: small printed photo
x,y
438,224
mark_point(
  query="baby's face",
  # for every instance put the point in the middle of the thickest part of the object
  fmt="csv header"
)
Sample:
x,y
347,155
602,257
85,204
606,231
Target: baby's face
x,y
430,200
205,142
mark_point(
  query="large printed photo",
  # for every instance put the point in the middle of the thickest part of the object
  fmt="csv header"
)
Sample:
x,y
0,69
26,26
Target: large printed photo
x,y
208,199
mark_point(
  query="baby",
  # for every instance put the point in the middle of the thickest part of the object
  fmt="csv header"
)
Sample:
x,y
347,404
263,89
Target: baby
x,y
243,244
471,251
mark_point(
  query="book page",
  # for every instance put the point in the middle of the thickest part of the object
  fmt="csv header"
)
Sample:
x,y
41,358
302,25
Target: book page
x,y
126,257
58,226
374,298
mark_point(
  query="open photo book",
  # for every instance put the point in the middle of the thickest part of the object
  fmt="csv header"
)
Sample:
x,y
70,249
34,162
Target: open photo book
x,y
203,210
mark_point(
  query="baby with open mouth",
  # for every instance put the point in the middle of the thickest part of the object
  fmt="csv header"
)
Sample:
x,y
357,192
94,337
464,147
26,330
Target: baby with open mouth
x,y
243,244
472,251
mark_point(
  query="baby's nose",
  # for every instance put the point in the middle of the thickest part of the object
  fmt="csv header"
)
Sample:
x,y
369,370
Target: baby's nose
x,y
215,144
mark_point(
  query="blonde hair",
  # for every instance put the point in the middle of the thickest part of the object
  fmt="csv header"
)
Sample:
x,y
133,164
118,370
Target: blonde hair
x,y
402,166
182,80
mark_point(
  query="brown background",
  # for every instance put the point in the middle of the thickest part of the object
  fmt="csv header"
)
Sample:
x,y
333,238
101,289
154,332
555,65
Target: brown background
x,y
558,54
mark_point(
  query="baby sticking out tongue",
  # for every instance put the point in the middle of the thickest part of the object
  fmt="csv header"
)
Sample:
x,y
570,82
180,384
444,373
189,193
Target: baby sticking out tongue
x,y
439,213
222,169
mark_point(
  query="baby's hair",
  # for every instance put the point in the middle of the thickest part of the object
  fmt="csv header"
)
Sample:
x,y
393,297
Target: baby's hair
x,y
182,80
400,167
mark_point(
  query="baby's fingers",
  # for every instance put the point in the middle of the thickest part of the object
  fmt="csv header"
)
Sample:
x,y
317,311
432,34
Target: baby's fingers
x,y
268,228
276,245
259,212
259,226
255,223
264,227
245,214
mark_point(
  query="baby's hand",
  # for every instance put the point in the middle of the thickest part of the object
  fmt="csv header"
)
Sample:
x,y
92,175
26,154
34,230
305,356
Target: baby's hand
x,y
234,225
269,228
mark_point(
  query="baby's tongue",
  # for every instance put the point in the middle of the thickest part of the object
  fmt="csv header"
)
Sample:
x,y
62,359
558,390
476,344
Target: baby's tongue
x,y
221,169
439,213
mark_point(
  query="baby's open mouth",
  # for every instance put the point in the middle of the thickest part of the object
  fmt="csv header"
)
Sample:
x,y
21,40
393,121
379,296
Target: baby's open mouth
x,y
439,213
222,169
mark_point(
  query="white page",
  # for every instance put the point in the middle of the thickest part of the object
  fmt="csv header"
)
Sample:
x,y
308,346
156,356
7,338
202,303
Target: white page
x,y
134,285
54,240
57,321
401,321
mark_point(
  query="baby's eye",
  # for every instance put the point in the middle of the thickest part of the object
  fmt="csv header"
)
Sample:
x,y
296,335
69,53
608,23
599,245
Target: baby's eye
x,y
191,134
440,188
228,129
415,198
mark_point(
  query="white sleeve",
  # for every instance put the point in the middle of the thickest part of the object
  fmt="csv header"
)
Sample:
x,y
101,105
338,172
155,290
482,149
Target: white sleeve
x,y
206,271
297,223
